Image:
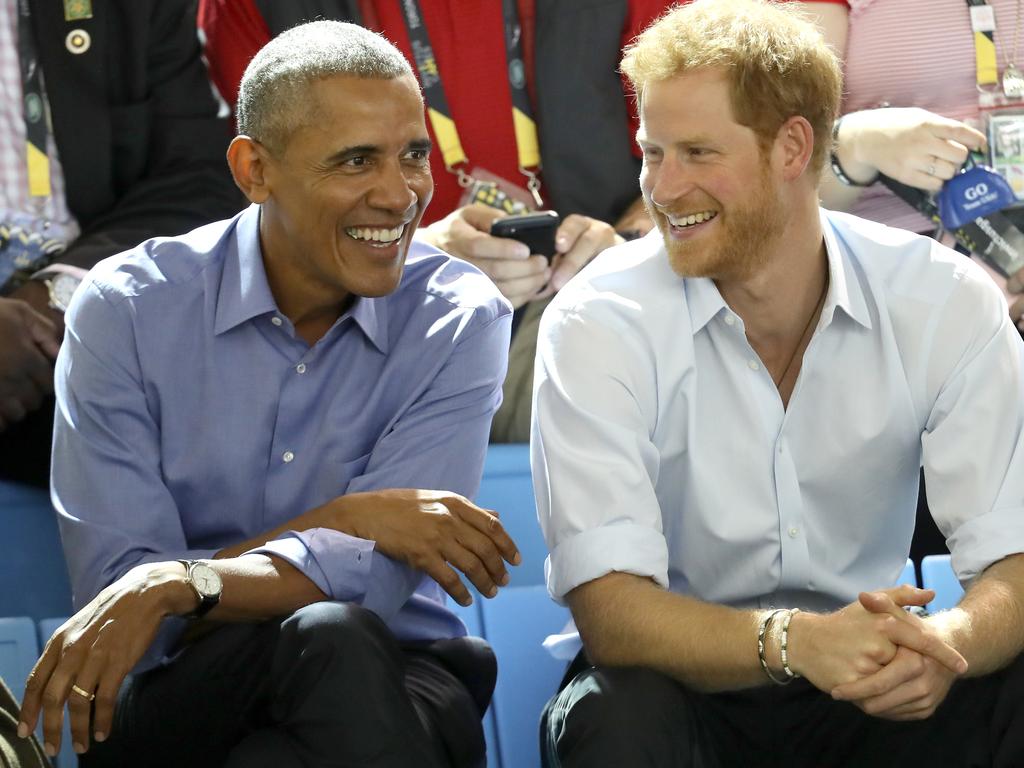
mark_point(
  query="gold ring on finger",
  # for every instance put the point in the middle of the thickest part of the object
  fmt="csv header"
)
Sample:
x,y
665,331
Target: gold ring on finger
x,y
82,692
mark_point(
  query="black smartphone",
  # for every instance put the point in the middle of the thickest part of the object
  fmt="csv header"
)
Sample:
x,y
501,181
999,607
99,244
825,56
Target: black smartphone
x,y
537,230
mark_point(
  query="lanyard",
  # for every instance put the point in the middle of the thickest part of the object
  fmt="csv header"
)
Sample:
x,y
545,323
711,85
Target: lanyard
x,y
34,107
449,143
983,24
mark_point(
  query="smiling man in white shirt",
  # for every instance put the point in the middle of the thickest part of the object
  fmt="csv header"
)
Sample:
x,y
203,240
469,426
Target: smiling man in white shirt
x,y
724,483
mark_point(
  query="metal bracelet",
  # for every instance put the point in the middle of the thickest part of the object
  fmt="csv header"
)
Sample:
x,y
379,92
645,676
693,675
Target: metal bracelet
x,y
762,631
784,644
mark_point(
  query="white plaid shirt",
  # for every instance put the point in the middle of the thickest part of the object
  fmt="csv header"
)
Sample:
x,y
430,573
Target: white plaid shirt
x,y
45,215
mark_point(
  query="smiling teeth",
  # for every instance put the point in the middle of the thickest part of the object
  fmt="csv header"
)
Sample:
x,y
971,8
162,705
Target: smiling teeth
x,y
382,236
693,218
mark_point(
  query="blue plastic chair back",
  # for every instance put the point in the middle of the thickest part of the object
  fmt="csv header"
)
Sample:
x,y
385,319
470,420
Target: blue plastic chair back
x,y
937,573
31,555
908,575
18,651
507,487
516,623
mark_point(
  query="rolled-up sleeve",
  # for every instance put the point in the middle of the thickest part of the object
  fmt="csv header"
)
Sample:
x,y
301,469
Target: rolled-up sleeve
x,y
973,446
594,464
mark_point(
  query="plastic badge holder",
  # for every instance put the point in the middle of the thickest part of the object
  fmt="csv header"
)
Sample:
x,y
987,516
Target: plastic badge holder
x,y
975,191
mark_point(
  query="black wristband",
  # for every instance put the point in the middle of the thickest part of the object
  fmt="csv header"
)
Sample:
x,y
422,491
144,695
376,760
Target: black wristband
x,y
837,169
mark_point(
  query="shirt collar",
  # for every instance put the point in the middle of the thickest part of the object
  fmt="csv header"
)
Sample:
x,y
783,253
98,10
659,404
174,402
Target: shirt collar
x,y
245,293
844,291
704,301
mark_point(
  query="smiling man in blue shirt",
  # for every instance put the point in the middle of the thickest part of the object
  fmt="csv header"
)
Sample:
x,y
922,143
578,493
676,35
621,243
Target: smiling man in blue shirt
x,y
233,406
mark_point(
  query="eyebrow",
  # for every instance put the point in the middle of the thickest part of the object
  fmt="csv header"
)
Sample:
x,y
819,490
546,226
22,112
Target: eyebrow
x,y
374,149
704,141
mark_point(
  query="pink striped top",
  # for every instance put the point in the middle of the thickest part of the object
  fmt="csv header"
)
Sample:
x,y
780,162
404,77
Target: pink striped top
x,y
916,53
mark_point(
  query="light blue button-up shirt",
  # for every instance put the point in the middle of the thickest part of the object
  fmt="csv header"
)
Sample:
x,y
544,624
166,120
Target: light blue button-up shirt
x,y
191,417
661,446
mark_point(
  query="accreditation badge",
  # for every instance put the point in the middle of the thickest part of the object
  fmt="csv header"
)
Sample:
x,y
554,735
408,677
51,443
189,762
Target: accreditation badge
x,y
1005,130
496,192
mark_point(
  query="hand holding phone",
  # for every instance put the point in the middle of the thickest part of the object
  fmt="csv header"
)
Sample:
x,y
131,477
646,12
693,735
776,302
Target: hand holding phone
x,y
536,230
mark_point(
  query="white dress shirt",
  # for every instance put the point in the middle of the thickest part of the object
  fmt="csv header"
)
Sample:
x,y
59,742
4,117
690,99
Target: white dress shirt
x,y
661,446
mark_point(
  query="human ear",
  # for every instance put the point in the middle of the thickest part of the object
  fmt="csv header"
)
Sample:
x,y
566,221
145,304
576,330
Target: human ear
x,y
794,146
247,159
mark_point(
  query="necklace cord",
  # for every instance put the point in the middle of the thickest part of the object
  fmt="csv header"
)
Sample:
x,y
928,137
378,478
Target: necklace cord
x,y
814,314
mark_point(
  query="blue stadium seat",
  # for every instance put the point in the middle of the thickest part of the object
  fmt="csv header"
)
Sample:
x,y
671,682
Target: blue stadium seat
x,y
31,555
18,651
66,758
507,487
516,623
937,573
908,575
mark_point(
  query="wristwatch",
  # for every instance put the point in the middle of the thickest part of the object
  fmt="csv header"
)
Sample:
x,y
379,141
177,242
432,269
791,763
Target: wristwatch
x,y
206,583
61,288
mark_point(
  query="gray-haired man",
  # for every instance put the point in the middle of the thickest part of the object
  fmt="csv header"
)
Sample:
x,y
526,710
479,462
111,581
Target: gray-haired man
x,y
233,406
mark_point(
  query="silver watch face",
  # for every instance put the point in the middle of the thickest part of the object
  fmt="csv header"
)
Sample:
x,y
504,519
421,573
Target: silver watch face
x,y
207,581
62,288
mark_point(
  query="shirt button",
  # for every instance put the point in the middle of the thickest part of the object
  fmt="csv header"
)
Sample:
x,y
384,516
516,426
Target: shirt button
x,y
287,456
753,365
276,320
300,368
730,320
794,532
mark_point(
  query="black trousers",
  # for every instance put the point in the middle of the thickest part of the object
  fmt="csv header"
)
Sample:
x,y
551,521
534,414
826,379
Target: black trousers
x,y
326,686
637,717
25,448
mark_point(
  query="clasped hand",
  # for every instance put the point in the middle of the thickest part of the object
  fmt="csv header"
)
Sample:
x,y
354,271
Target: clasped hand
x,y
873,653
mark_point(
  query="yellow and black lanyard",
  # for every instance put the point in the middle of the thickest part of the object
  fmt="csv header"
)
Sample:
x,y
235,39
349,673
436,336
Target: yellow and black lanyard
x,y
449,143
34,107
986,64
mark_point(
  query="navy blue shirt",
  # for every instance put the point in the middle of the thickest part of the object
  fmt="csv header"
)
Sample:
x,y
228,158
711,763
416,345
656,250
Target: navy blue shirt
x,y
190,416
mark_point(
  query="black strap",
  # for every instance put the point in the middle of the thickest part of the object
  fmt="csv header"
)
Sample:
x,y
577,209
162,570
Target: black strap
x,y
34,106
440,114
994,237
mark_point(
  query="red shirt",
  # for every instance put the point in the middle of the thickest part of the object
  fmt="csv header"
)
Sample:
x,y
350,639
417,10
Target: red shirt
x,y
469,46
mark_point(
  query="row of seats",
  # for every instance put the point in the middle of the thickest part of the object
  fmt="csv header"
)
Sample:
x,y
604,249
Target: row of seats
x,y
514,623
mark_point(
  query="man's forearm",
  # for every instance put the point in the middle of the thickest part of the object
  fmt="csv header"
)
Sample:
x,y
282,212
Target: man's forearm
x,y
987,627
627,620
255,587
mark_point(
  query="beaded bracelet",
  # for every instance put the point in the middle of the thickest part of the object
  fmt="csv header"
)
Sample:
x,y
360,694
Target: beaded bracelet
x,y
762,630
790,674
837,168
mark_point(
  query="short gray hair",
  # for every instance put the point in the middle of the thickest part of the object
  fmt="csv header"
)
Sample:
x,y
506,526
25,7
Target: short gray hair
x,y
273,95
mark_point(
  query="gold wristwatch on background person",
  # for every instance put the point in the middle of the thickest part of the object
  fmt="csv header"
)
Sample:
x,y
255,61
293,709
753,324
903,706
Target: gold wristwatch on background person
x,y
61,287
